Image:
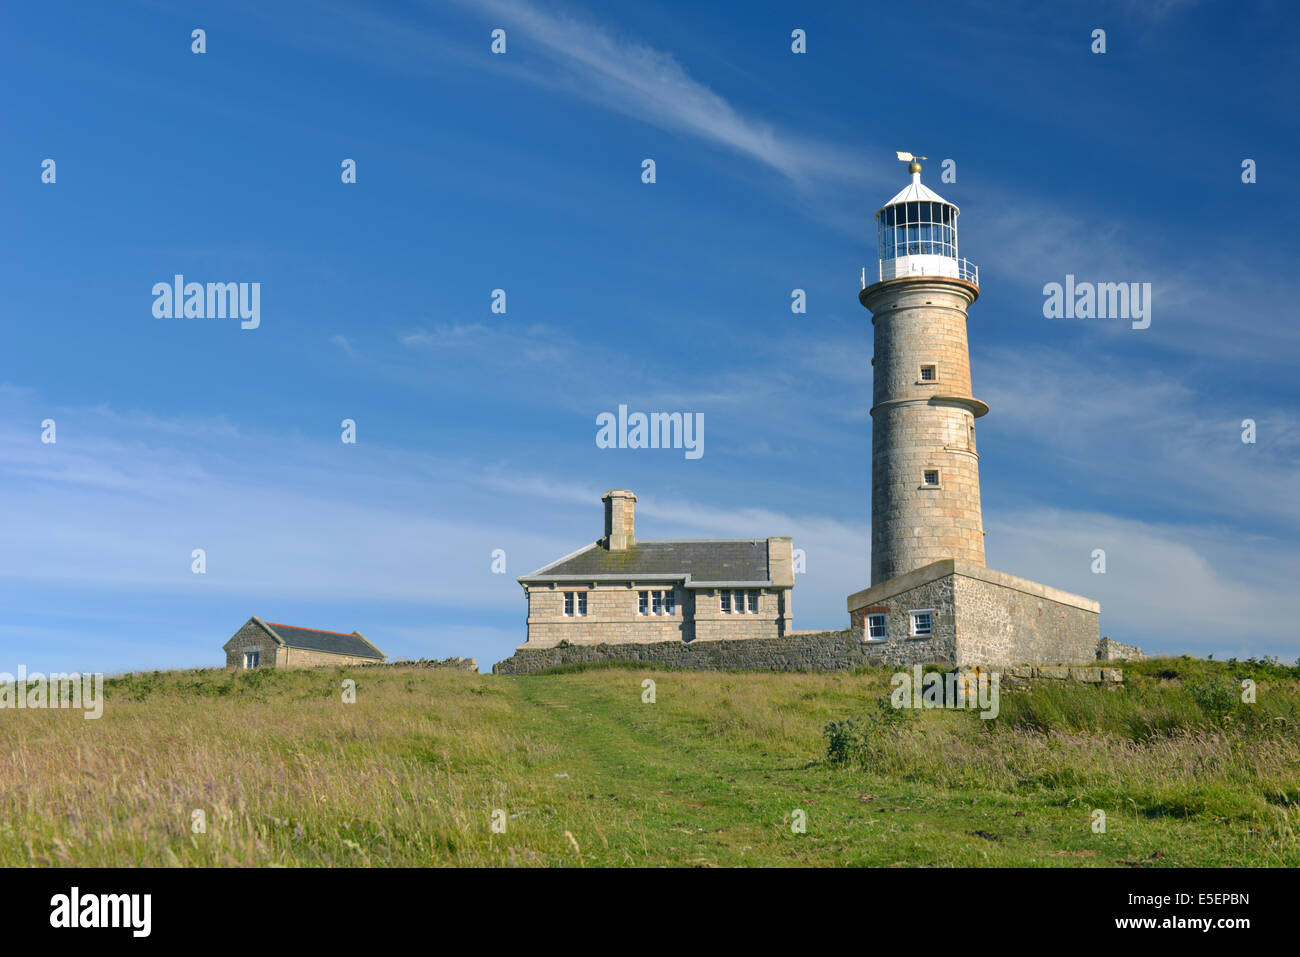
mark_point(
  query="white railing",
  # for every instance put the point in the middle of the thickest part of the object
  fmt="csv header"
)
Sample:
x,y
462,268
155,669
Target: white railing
x,y
905,266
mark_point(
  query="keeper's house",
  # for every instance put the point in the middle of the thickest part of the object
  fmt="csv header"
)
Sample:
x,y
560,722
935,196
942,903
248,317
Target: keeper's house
x,y
623,590
260,644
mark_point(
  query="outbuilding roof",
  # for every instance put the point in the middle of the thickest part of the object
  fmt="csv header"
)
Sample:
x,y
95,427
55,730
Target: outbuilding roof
x,y
332,642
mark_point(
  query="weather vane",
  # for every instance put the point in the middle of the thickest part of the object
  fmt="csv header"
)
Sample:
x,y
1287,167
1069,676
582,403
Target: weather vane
x,y
913,161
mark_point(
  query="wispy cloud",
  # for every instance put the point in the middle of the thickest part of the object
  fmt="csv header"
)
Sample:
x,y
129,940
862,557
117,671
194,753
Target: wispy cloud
x,y
1143,438
591,61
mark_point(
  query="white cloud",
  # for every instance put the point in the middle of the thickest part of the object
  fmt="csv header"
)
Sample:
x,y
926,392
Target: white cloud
x,y
1170,589
1131,429
590,61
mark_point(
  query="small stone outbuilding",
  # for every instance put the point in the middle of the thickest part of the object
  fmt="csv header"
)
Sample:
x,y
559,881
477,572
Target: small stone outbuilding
x,y
260,644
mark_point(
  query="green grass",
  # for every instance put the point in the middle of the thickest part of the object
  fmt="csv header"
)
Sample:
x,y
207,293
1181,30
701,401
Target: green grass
x,y
712,773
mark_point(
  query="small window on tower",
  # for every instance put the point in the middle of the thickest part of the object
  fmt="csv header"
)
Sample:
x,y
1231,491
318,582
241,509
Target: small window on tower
x,y
931,478
929,373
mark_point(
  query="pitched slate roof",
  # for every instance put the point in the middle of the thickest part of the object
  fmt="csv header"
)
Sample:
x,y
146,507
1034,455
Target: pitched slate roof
x,y
334,642
743,560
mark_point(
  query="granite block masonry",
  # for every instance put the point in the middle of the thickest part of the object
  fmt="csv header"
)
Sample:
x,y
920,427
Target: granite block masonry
x,y
929,582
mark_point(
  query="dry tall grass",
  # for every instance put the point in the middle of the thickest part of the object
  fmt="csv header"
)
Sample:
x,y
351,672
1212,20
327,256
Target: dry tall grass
x,y
586,773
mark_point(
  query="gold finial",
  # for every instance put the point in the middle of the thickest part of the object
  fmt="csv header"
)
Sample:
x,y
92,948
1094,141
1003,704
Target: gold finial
x,y
913,162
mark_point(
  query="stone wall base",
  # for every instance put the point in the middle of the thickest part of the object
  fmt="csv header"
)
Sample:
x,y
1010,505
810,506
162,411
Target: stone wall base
x,y
448,664
808,651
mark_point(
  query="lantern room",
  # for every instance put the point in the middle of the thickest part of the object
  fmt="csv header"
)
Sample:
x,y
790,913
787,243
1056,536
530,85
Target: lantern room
x,y
917,236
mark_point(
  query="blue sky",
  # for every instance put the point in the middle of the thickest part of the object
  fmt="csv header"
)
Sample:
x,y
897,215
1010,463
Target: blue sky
x,y
522,171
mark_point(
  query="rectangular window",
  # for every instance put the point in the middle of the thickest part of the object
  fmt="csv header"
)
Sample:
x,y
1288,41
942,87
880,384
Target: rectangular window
x,y
929,373
931,477
753,603
252,659
656,603
876,627
922,624
726,602
582,604
568,604
643,603
670,603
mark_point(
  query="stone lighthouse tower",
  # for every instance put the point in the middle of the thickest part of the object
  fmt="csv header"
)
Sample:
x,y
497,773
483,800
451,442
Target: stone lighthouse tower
x,y
932,598
925,484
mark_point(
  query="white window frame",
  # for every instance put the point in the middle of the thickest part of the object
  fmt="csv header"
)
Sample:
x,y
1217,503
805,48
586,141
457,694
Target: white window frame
x,y
751,603
252,659
933,367
580,605
870,620
656,603
724,601
912,631
670,602
643,603
938,478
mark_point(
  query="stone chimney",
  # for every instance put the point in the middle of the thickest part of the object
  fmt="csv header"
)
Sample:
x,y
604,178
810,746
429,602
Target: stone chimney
x,y
620,524
780,561
780,569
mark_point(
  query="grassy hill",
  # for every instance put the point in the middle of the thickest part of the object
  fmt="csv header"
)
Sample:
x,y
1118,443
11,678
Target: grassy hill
x,y
712,773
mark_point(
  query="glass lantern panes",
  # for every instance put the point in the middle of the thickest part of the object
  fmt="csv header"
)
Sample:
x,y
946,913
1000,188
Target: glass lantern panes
x,y
917,228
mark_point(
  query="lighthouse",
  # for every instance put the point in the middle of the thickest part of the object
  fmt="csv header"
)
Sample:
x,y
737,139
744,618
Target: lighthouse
x,y
932,598
925,483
